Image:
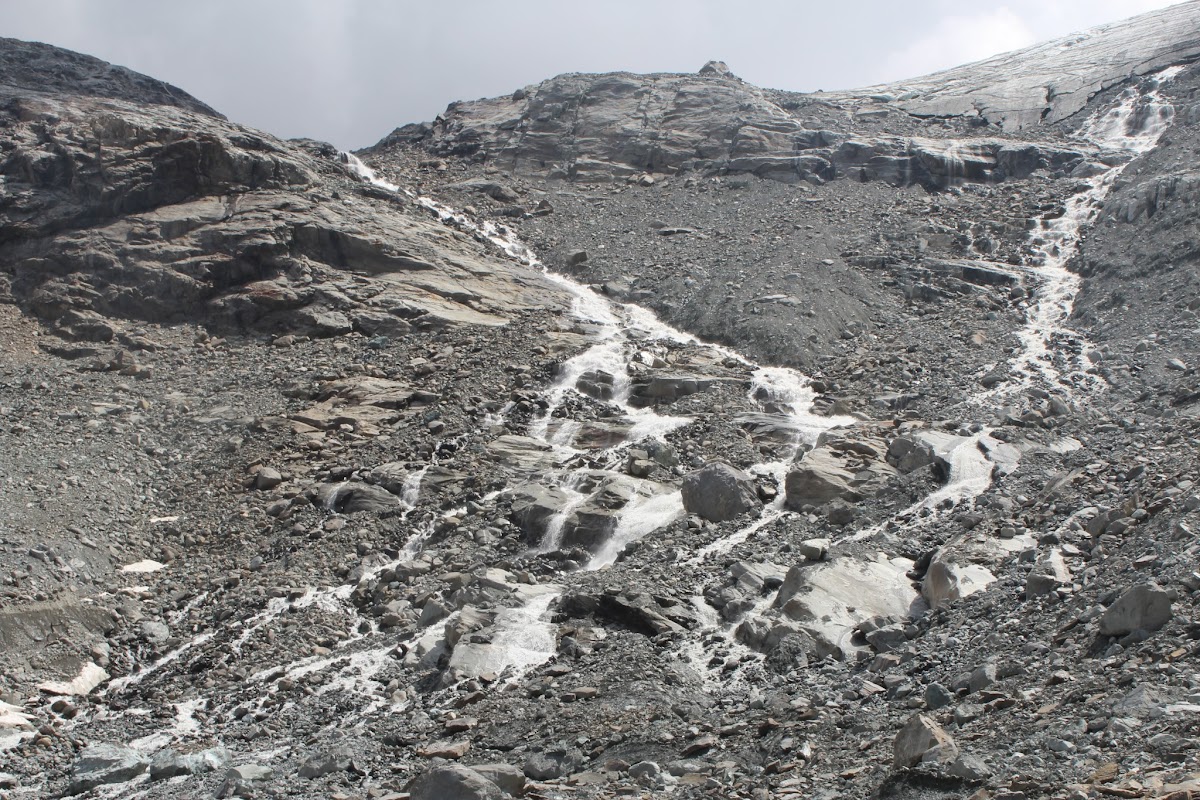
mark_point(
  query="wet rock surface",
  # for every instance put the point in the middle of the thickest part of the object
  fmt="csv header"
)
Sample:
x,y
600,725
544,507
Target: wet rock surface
x,y
420,520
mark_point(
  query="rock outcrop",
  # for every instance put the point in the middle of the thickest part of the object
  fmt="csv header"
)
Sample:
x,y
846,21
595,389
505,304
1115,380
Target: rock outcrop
x,y
125,198
1050,81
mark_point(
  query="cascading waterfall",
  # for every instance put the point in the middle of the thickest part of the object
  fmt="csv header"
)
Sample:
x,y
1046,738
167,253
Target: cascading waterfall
x,y
618,331
784,392
1132,127
410,490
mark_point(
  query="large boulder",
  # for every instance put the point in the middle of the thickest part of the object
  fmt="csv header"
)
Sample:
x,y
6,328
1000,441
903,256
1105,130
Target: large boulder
x,y
951,576
922,740
1146,606
826,474
655,389
718,493
168,763
533,506
922,448
105,763
453,782
350,498
510,779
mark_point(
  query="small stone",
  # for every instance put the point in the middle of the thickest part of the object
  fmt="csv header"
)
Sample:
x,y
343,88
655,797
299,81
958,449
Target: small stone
x,y
267,478
970,768
982,677
645,770
814,549
449,750
322,764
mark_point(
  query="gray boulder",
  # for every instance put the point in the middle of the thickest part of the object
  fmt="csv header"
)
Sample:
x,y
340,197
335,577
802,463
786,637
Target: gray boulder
x,y
105,763
718,492
349,498
453,782
548,765
533,506
1146,606
239,781
168,763
922,740
319,765
510,779
825,475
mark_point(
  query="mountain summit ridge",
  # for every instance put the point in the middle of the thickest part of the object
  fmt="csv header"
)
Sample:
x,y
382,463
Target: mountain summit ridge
x,y
583,127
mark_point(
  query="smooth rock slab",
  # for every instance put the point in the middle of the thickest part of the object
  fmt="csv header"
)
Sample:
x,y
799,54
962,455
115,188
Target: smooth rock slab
x,y
830,598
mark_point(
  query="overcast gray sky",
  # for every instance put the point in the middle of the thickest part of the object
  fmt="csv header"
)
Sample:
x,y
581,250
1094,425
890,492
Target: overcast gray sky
x,y
349,71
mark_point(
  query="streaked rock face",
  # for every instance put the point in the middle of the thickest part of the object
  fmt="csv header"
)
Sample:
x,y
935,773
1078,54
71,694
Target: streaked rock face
x,y
1052,80
126,198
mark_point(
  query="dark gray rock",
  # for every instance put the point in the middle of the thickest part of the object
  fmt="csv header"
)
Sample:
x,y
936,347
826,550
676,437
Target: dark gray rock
x,y
241,781
552,764
319,765
1146,606
718,492
104,763
923,740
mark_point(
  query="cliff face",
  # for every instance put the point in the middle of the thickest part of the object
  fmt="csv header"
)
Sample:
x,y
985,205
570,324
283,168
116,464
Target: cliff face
x,y
489,469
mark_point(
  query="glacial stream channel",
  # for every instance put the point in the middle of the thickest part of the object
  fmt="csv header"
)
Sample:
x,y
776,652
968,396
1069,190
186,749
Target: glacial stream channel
x,y
622,334
523,636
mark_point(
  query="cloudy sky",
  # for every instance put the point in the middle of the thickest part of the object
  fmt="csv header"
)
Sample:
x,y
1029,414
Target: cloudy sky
x,y
349,71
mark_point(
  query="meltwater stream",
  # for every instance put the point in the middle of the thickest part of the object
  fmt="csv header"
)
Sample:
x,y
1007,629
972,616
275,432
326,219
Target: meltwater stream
x,y
621,333
523,637
1128,129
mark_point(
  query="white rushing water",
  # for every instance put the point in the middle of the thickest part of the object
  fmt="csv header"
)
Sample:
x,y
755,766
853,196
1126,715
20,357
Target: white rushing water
x,y
619,332
1131,127
786,394
524,636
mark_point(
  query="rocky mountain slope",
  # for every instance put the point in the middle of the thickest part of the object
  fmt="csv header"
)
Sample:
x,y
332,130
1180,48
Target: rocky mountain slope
x,y
626,436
